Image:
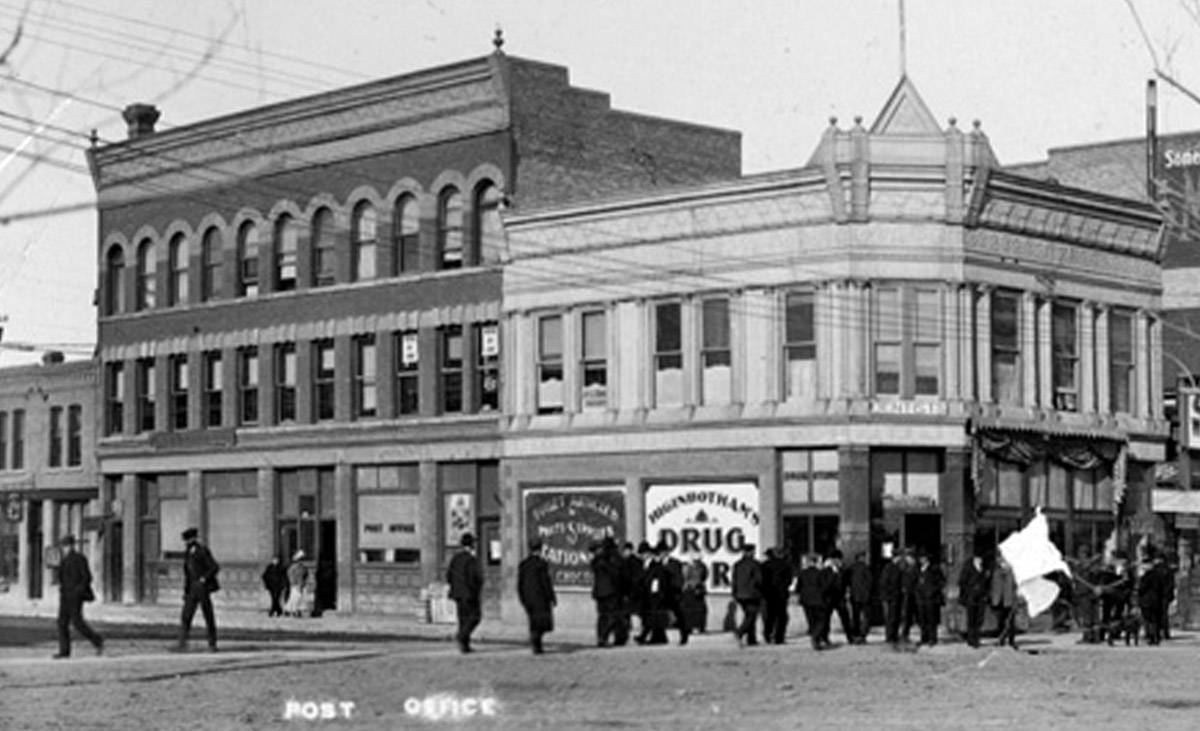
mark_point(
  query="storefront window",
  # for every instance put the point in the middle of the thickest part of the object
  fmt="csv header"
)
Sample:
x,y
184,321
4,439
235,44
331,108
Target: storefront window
x,y
389,529
1120,363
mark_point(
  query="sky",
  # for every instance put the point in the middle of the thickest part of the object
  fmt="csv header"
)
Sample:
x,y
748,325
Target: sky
x,y
1037,74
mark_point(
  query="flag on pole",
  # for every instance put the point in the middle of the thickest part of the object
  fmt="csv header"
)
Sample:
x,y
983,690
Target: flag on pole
x,y
1031,555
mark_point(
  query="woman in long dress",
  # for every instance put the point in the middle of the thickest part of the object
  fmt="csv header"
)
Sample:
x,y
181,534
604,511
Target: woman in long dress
x,y
297,586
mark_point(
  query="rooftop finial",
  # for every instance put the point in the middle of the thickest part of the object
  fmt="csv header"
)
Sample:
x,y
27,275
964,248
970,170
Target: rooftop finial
x,y
498,38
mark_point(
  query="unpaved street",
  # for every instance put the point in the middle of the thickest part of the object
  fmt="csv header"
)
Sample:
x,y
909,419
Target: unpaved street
x,y
708,684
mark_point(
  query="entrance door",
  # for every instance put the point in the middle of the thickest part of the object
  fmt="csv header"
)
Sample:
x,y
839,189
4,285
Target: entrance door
x,y
489,552
326,592
923,531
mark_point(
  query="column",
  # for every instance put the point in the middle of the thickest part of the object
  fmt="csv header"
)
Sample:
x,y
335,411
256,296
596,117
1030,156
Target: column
x,y
958,510
1141,339
854,495
838,336
770,529
343,378
267,410
429,511
1029,350
965,324
128,403
304,382
343,507
1154,356
854,347
1103,358
635,510
983,344
1045,362
231,391
429,371
386,358
195,389
955,335
470,366
267,534
571,349
824,307
131,538
633,371
1085,318
195,501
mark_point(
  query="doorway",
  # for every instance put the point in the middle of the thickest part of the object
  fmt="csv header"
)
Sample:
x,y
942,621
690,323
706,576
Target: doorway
x,y
809,533
923,532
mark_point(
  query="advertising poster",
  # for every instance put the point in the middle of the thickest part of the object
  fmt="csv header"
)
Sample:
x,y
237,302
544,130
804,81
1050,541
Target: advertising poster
x,y
567,522
712,521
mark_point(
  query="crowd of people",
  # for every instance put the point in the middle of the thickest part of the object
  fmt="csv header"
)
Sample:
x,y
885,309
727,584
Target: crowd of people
x,y
1115,599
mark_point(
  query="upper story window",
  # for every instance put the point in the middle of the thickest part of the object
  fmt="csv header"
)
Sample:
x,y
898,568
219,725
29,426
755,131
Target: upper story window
x,y
285,383
74,435
1064,345
799,346
406,228
487,370
594,360
450,229
488,230
324,248
1120,361
114,398
365,381
214,388
324,378
144,383
114,270
285,244
716,355
907,341
248,385
247,257
178,386
1006,347
55,457
366,245
452,369
210,271
178,266
147,275
668,354
18,439
407,373
550,398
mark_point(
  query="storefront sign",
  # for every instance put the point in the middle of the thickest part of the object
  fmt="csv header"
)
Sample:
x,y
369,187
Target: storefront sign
x,y
567,521
713,521
388,523
924,408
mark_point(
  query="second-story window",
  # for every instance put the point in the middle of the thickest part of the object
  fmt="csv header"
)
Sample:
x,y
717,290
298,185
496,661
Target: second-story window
x,y
716,357
800,346
74,435
56,437
210,268
114,275
450,229
668,354
406,240
550,365
178,385
324,249
18,439
488,366
407,373
1064,345
247,257
114,398
366,245
147,275
285,383
907,326
1006,347
177,263
248,385
594,360
287,239
452,369
1120,361
324,377
214,387
144,385
488,230
365,382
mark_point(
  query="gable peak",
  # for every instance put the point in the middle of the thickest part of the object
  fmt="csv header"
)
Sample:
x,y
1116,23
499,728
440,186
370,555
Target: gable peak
x,y
905,113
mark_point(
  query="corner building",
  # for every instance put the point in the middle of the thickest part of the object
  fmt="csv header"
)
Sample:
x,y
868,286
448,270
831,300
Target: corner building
x,y
899,343
299,333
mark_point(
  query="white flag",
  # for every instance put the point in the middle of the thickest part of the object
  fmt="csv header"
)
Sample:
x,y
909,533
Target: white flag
x,y
1031,555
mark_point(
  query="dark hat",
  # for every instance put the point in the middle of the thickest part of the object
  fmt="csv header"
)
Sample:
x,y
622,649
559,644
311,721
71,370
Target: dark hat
x,y
67,540
535,544
190,533
594,546
662,547
749,548
643,547
467,540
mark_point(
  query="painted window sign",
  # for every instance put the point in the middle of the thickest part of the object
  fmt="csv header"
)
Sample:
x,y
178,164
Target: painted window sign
x,y
569,520
711,521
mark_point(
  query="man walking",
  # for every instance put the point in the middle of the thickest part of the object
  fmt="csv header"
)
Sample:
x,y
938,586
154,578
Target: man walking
x,y
777,583
199,582
606,590
929,592
891,596
747,591
858,587
275,581
466,590
74,588
536,592
810,589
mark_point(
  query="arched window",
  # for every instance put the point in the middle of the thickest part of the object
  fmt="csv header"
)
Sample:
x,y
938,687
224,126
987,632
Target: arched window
x,y
210,272
450,229
114,265
247,256
365,244
324,259
147,275
285,254
406,225
488,233
178,294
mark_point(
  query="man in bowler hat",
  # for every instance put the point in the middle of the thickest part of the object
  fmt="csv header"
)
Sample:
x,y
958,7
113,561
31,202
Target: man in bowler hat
x,y
466,590
199,582
74,588
536,592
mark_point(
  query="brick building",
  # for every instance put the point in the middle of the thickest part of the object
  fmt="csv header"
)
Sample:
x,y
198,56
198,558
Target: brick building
x,y
299,328
899,344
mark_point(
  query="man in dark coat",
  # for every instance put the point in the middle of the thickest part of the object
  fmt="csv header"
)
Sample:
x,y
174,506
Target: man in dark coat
x,y
656,589
748,593
833,586
675,597
606,590
633,569
1152,587
929,592
974,590
536,592
466,590
908,594
199,582
858,589
890,595
810,589
776,587
74,588
274,578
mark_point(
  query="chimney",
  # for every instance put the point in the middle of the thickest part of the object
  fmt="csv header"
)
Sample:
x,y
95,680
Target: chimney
x,y
141,119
